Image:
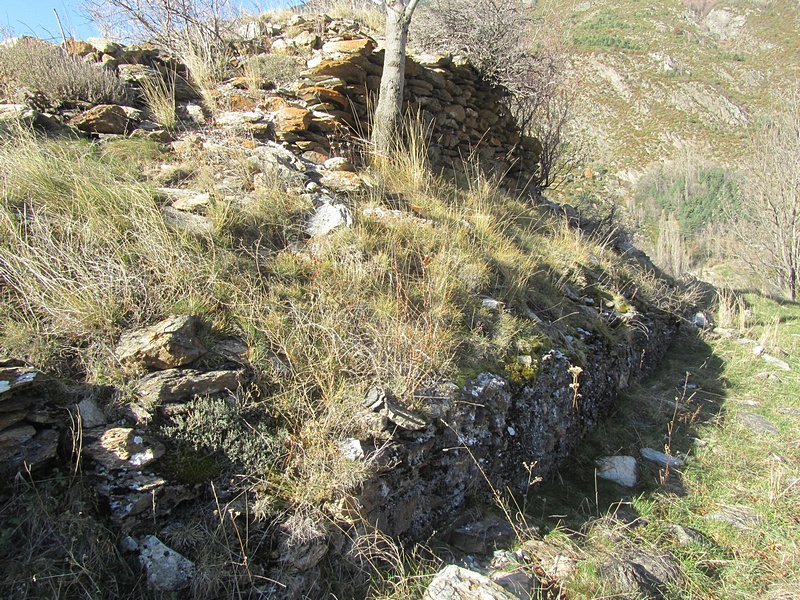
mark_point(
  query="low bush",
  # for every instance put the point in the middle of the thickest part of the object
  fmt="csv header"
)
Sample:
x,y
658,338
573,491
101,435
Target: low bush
x,y
61,77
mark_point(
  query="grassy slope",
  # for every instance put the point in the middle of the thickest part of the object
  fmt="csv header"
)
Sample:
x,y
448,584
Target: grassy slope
x,y
728,464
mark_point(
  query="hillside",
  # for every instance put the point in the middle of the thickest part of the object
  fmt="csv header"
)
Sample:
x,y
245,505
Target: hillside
x,y
241,357
653,79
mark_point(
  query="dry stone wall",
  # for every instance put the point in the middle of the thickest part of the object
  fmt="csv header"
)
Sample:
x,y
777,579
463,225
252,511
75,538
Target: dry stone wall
x,y
465,116
493,433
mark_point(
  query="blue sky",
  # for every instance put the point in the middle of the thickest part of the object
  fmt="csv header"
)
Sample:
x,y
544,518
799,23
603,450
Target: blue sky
x,y
35,17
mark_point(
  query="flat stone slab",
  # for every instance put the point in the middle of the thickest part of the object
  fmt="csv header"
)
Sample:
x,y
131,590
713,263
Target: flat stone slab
x,y
740,517
122,448
661,459
15,379
758,424
167,570
177,385
170,343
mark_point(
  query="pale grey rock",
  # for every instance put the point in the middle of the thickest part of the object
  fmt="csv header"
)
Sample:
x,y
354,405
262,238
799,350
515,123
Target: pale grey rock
x,y
352,449
776,362
639,573
619,469
519,582
194,113
166,569
758,424
186,200
170,343
104,45
91,414
337,163
492,304
701,320
13,378
20,114
236,118
121,448
456,583
686,536
725,23
661,459
327,218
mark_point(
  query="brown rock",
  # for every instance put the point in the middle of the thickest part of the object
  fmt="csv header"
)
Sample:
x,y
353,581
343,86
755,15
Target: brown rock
x,y
315,157
342,69
321,94
176,385
306,39
241,102
171,343
456,111
77,47
363,46
292,119
105,118
123,448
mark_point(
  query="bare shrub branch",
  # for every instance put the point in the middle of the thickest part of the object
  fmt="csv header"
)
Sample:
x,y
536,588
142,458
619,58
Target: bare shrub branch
x,y
518,50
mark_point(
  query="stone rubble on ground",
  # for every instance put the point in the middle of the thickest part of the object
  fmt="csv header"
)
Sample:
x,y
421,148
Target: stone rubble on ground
x,y
619,469
29,434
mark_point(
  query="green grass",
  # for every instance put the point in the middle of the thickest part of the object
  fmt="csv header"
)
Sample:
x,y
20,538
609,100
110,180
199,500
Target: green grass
x,y
728,465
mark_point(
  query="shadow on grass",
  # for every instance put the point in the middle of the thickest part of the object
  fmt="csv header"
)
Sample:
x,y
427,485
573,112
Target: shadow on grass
x,y
661,412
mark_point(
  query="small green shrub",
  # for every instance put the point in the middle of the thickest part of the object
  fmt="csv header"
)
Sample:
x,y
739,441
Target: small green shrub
x,y
217,435
62,78
606,41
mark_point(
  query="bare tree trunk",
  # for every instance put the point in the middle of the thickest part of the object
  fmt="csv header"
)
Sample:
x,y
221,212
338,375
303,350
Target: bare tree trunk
x,y
390,101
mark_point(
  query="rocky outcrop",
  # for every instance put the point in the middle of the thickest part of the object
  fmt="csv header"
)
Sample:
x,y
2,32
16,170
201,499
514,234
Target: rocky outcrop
x,y
495,433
